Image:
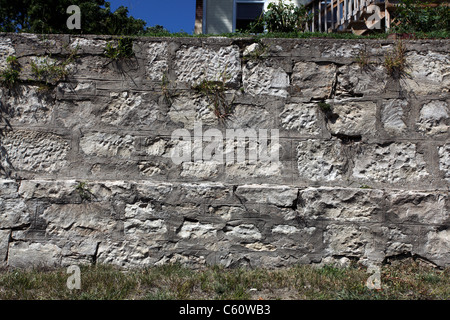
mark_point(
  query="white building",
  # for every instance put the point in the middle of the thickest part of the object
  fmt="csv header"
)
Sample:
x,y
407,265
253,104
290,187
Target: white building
x,y
226,16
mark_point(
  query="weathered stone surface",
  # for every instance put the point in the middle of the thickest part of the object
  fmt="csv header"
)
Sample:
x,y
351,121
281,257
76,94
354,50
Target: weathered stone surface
x,y
354,118
13,214
396,162
344,240
28,255
200,169
244,232
444,160
157,63
57,191
195,64
303,118
320,160
278,195
312,80
187,109
428,73
4,242
354,80
194,230
393,116
6,50
434,118
107,144
260,79
88,46
418,207
29,106
342,204
437,246
36,151
126,109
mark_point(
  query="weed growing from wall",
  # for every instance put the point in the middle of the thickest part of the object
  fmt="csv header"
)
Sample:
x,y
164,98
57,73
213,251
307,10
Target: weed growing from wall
x,y
123,49
10,76
395,61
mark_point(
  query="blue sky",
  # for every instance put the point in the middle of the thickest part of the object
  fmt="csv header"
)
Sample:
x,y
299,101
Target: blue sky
x,y
174,15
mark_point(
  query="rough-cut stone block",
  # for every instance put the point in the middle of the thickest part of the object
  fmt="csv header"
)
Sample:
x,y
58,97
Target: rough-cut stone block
x,y
197,230
4,243
80,220
437,246
6,50
107,144
418,207
157,62
353,118
200,169
303,118
76,91
56,191
396,162
320,160
354,80
129,109
444,160
272,170
8,189
28,255
88,46
434,118
259,79
36,151
393,116
428,73
187,109
195,64
283,196
313,81
243,232
342,204
28,106
344,240
13,214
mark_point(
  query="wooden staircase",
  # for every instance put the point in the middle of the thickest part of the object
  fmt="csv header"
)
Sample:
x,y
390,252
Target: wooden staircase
x,y
356,16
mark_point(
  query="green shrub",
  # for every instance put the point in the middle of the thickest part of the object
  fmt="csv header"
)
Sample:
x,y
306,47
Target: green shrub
x,y
123,49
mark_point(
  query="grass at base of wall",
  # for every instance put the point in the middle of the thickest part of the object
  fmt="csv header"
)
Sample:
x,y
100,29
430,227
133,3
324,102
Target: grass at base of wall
x,y
403,281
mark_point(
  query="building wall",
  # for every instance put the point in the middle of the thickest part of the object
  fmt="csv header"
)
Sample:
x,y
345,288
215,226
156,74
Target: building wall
x,y
219,16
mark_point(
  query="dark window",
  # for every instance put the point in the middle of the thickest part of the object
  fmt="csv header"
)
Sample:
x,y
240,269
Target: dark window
x,y
246,13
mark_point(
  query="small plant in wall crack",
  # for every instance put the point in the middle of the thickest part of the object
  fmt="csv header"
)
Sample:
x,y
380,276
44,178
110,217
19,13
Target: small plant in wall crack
x,y
395,61
83,190
10,75
215,90
122,50
50,71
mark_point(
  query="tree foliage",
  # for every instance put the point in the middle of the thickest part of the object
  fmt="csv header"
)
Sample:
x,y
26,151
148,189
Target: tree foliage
x,y
421,16
282,16
50,16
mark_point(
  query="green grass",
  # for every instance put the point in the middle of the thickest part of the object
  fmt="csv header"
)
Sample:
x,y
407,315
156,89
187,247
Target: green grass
x,y
403,281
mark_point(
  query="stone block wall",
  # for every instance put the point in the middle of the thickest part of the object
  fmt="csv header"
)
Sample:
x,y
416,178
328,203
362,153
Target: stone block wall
x,y
88,176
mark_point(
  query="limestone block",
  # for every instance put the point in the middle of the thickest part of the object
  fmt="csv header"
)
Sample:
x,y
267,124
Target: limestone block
x,y
272,169
312,80
76,91
104,144
344,240
396,162
428,73
197,230
437,246
259,79
354,118
283,196
303,118
392,115
434,118
29,106
244,232
320,160
29,255
195,64
80,220
129,109
342,49
56,191
36,151
13,214
157,63
6,50
8,189
342,204
187,109
4,243
444,160
200,169
354,80
140,221
88,46
418,207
